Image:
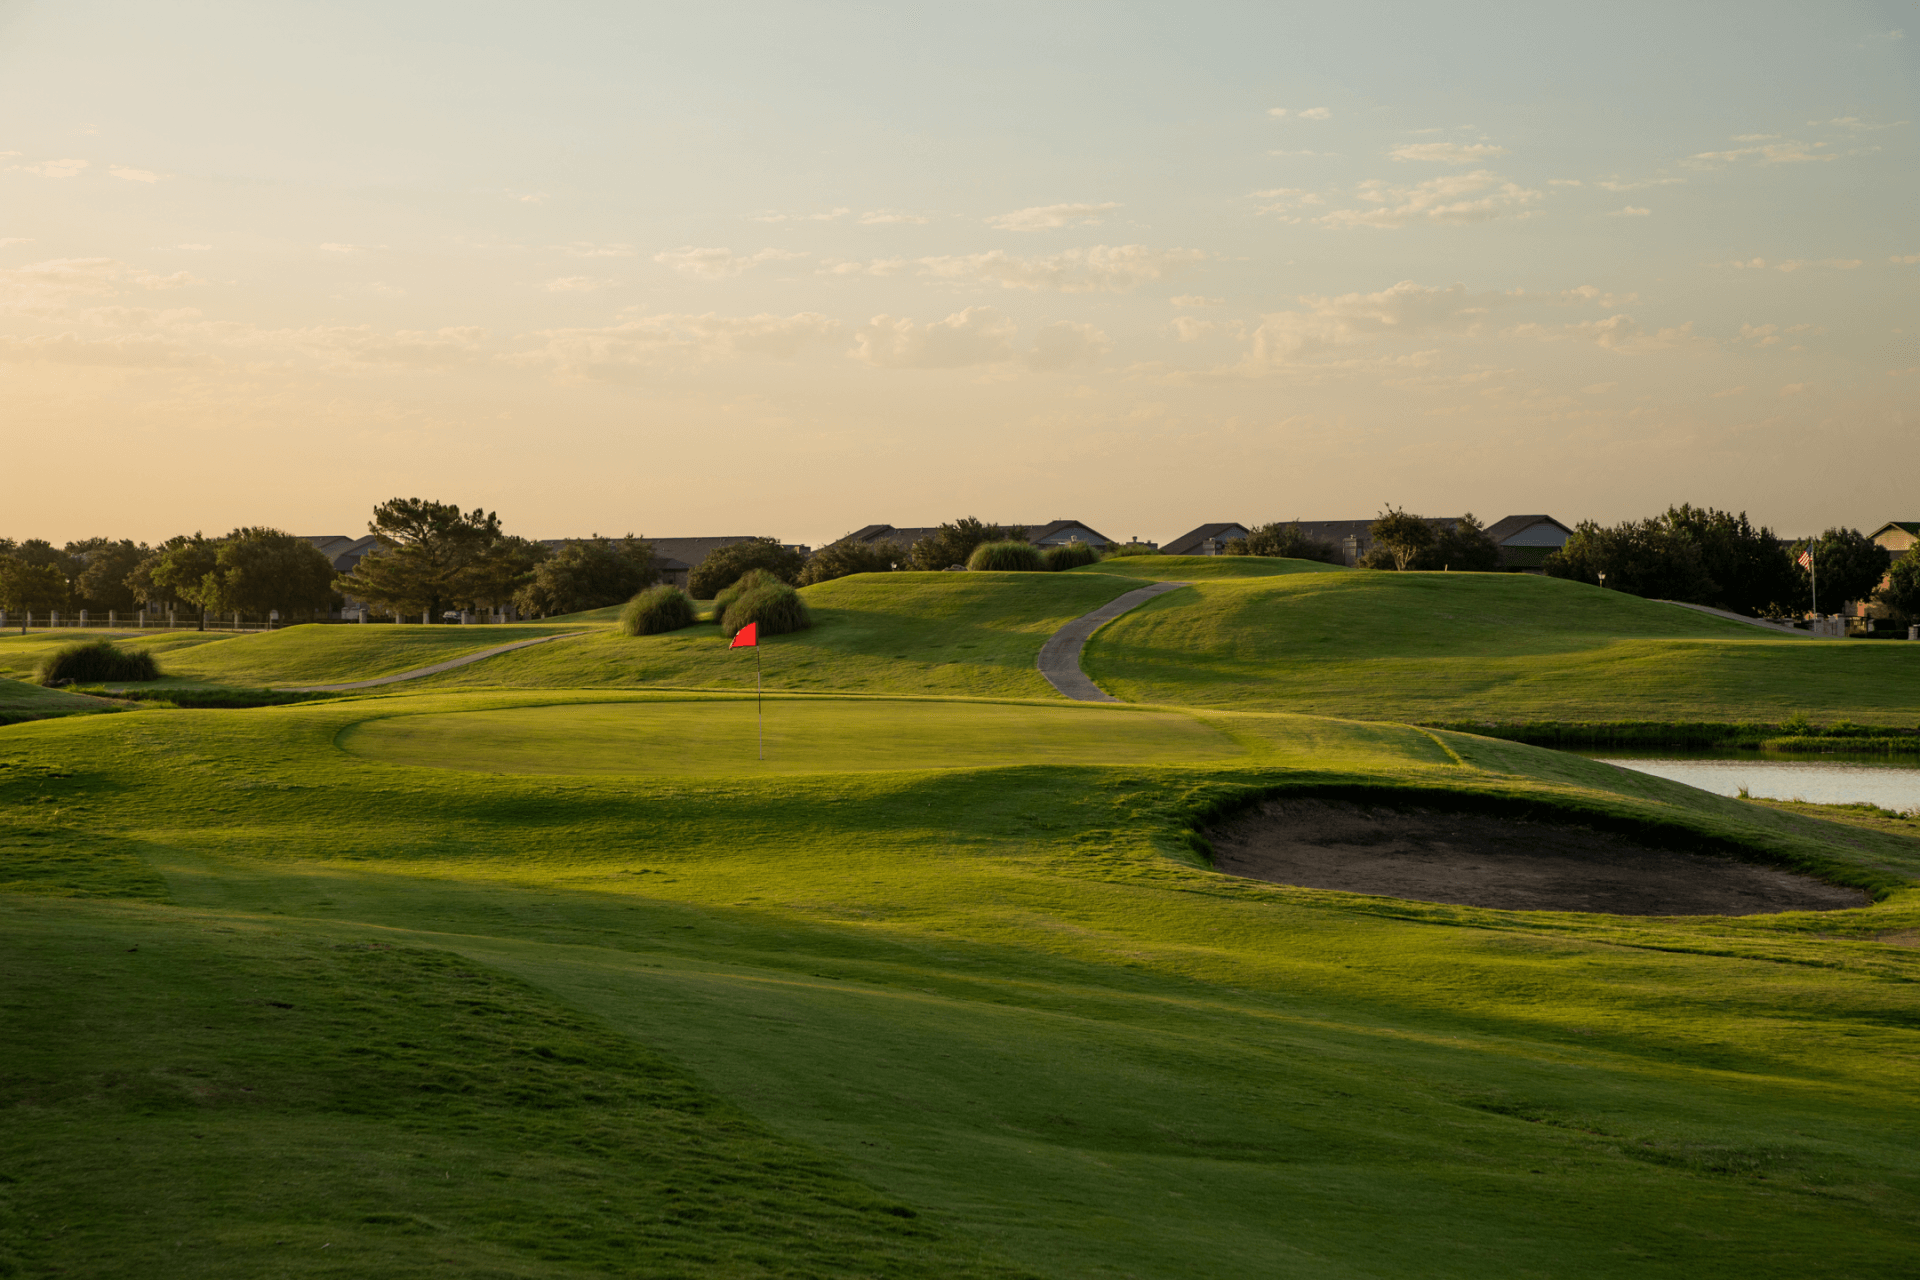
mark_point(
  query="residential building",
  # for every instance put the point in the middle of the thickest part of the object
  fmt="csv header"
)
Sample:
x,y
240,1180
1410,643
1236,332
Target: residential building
x,y
1056,533
1525,542
1207,540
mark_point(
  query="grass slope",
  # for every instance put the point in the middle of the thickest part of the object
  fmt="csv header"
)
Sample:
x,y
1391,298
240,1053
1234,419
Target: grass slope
x,y
1426,646
974,634
1004,999
1202,568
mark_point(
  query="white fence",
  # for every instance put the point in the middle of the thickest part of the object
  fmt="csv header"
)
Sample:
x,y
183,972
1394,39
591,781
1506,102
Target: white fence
x,y
173,620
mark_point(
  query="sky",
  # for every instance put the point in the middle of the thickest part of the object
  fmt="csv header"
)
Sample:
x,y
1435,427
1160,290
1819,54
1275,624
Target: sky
x,y
792,269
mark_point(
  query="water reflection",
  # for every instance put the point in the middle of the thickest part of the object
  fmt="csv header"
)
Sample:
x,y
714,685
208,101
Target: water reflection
x,y
1822,781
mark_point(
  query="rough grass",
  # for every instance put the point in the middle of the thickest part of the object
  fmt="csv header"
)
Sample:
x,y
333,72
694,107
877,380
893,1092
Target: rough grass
x,y
775,606
1005,1000
1483,647
1007,557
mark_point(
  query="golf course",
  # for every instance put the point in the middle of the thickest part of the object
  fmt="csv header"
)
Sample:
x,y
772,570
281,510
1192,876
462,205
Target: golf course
x,y
581,959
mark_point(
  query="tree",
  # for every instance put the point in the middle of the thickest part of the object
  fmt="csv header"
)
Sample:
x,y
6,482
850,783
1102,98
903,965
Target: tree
x,y
1752,571
1465,548
1401,536
953,544
1901,595
141,581
259,571
101,583
840,559
183,570
31,588
1286,540
1850,566
425,548
1645,558
724,565
589,574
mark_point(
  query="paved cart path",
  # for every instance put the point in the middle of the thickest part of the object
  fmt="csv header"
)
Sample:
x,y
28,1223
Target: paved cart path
x,y
1060,655
448,665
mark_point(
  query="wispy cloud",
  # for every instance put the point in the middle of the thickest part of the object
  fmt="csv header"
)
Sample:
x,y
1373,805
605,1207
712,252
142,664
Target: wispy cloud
x,y
609,351
54,168
1048,216
1784,151
1311,113
1611,184
1448,152
1195,300
830,215
1480,196
1796,264
587,249
973,337
719,264
1284,200
133,175
885,217
1100,269
577,284
1631,211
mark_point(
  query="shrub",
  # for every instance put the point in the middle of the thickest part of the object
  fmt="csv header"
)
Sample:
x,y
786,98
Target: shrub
x,y
844,558
1006,557
590,573
725,565
657,609
92,661
776,606
1070,556
1287,541
953,544
751,580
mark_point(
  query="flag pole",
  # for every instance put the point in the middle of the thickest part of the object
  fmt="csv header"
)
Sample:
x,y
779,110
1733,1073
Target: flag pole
x,y
759,716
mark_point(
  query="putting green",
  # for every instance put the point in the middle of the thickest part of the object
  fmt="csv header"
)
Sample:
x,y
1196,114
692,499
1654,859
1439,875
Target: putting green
x,y
802,736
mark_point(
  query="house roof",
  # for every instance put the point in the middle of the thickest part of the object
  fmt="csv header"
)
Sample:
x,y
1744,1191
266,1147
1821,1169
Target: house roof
x,y
1187,542
1511,526
1042,532
343,551
1909,527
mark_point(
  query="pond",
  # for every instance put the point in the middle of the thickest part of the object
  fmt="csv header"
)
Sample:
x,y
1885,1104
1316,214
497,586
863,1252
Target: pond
x,y
1892,782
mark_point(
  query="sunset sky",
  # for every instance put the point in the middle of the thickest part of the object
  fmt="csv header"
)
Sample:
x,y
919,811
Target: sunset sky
x,y
795,268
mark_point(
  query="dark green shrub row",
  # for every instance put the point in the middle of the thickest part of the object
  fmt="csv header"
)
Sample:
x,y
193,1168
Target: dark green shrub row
x,y
657,609
776,606
1006,557
94,661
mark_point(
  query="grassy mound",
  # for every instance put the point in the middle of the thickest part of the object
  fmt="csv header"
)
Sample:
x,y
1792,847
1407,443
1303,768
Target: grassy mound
x,y
1458,647
775,606
657,610
1008,1001
1006,557
96,661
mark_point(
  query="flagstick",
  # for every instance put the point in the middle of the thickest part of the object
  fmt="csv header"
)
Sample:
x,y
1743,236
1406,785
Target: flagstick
x,y
759,717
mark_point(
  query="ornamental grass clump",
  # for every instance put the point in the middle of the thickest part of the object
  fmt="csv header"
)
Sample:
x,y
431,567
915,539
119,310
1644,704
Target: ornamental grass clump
x,y
1006,557
95,661
776,606
751,580
657,609
1070,556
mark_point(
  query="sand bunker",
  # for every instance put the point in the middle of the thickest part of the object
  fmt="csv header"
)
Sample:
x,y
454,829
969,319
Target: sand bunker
x,y
1488,860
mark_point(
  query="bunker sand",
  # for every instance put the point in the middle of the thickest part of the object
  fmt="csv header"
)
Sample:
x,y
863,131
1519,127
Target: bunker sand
x,y
1510,863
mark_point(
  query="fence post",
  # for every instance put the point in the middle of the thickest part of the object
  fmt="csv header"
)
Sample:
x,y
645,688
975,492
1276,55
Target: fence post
x,y
83,617
53,617
236,620
273,618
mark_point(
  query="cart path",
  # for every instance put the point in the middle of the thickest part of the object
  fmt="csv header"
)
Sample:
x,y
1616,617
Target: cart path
x,y
1060,655
437,667
1778,628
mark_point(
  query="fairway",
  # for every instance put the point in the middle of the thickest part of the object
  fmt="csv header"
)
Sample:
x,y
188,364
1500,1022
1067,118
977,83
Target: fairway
x,y
803,735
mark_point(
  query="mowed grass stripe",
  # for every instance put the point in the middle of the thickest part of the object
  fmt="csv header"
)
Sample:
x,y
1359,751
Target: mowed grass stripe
x,y
813,735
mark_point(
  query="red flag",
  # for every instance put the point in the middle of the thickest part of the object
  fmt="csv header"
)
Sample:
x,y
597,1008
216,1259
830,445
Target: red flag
x,y
748,637
1806,561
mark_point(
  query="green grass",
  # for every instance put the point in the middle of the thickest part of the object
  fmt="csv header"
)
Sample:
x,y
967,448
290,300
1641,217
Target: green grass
x,y
20,700
1484,647
1202,568
800,736
971,634
1006,999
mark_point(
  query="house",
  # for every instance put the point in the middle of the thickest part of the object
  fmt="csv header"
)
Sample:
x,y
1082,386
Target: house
x,y
343,551
1897,536
1056,533
1207,540
1525,542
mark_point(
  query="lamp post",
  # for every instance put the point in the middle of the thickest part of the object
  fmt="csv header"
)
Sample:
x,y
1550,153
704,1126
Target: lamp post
x,y
1603,579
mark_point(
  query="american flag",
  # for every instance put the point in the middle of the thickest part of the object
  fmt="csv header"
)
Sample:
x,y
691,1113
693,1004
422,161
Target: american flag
x,y
1806,559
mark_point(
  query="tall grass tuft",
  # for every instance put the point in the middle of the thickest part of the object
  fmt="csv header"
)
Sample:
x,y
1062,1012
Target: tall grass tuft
x,y
776,606
657,609
92,661
751,580
1070,556
1007,557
